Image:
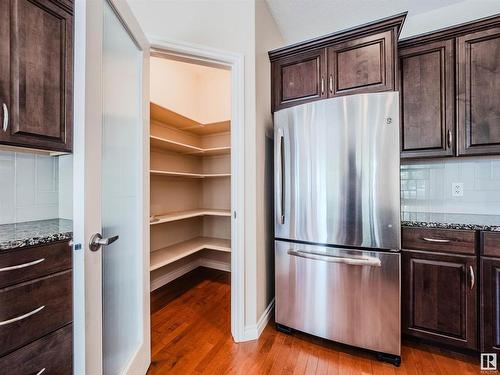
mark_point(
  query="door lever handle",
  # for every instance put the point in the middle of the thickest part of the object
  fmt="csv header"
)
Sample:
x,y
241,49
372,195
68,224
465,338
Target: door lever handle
x,y
97,241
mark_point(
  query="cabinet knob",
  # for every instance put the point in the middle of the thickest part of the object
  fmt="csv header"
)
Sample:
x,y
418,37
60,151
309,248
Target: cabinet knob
x,y
322,85
450,138
330,83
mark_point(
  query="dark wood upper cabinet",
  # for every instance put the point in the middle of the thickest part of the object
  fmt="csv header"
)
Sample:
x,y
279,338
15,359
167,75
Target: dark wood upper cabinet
x,y
490,305
427,96
479,92
357,60
450,90
299,78
439,297
365,64
36,88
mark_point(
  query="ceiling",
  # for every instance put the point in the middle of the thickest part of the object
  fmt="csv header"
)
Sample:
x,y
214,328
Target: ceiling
x,y
304,19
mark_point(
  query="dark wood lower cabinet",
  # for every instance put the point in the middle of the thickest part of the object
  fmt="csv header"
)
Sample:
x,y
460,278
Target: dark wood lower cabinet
x,y
490,305
36,312
439,296
52,354
40,307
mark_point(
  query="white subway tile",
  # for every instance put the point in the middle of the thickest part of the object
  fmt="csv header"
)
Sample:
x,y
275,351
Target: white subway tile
x,y
29,189
431,182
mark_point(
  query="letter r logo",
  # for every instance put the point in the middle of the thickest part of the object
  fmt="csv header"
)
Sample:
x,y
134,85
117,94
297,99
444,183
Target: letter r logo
x,y
488,361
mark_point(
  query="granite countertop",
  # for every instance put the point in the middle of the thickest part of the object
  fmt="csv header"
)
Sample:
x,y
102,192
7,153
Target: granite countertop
x,y
31,233
451,221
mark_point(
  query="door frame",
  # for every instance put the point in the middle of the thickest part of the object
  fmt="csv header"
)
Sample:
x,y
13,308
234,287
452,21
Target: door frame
x,y
235,62
88,107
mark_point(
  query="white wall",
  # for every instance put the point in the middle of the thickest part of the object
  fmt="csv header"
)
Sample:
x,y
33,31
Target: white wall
x,y
65,186
29,187
229,25
200,93
454,14
267,37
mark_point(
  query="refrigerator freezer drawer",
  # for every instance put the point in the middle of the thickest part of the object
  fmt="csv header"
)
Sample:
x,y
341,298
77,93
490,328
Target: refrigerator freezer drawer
x,y
349,296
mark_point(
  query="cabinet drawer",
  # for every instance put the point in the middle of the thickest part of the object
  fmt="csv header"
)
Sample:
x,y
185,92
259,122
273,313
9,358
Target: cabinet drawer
x,y
490,244
440,240
33,309
32,262
52,353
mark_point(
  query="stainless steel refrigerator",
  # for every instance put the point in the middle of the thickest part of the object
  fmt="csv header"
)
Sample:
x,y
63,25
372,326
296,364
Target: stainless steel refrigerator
x,y
337,220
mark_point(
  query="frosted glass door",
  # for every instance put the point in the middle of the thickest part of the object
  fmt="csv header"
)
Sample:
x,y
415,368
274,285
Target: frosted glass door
x,y
121,195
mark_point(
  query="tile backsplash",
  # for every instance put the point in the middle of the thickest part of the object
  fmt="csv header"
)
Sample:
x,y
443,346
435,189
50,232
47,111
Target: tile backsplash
x,y
29,188
428,186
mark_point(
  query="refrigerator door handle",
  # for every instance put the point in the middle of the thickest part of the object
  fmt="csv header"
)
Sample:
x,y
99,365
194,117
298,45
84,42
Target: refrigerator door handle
x,y
358,261
282,177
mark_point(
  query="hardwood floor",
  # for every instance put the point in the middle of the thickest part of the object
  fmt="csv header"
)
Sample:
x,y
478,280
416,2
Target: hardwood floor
x,y
191,335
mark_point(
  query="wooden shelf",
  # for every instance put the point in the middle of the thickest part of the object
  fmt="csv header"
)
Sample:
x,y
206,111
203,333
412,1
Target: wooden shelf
x,y
169,145
176,120
188,175
170,254
181,215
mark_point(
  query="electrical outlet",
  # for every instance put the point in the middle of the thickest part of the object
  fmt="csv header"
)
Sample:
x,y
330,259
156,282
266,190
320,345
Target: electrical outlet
x,y
457,189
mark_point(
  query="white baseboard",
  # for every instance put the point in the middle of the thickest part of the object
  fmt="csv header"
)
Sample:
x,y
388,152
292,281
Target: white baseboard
x,y
253,331
265,317
178,272
171,276
215,264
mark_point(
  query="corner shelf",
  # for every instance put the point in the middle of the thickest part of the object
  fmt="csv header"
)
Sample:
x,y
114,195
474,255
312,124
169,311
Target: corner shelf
x,y
188,175
170,254
184,148
167,117
181,215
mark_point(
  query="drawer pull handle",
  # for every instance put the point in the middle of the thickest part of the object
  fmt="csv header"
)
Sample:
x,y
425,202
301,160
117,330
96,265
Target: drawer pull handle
x,y
24,265
21,317
439,240
472,277
358,261
41,371
5,117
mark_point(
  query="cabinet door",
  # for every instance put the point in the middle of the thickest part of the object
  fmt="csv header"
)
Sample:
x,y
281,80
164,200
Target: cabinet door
x,y
362,65
427,95
490,305
299,79
479,92
439,297
41,78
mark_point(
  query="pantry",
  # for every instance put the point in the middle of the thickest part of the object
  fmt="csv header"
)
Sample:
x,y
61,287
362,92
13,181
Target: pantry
x,y
190,167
